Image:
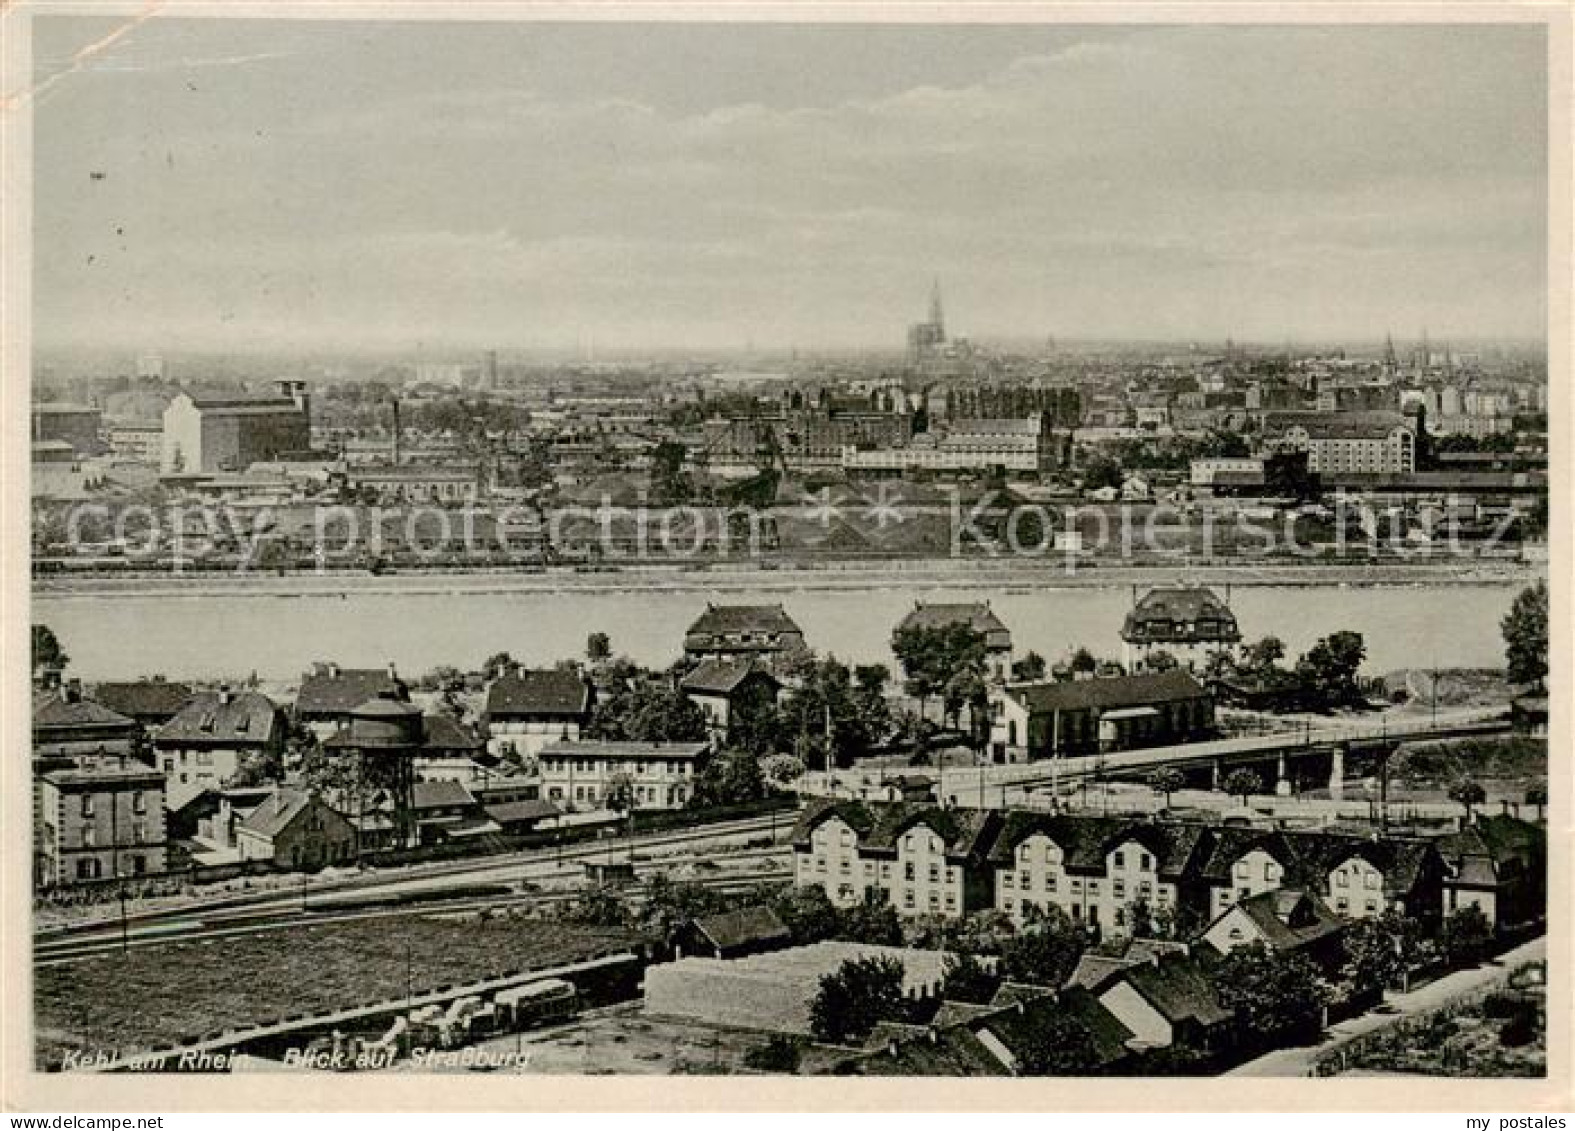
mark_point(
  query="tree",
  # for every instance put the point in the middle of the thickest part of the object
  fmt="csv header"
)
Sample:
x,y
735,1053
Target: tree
x,y
1464,935
945,659
669,485
731,778
1044,954
1261,657
496,665
1330,667
856,997
781,770
1030,668
1468,794
1101,472
1525,630
1243,783
964,978
1372,957
660,712
1167,780
620,796
1052,1043
809,913
1274,995
598,647
1083,662
48,655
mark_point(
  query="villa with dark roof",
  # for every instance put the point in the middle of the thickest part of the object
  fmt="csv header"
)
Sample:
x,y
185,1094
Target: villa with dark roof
x,y
528,709
978,616
742,631
1053,718
1187,623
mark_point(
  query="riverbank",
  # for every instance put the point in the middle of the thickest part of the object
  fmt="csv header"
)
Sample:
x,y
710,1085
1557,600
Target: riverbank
x,y
926,574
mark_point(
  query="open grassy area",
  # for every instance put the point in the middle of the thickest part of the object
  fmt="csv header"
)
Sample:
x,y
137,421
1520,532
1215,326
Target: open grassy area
x,y
1510,759
158,996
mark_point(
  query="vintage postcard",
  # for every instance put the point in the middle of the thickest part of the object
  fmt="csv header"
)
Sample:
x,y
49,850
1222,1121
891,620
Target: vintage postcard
x,y
1007,547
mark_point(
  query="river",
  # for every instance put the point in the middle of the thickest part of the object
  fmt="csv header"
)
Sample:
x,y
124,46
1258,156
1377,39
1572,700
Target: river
x,y
218,634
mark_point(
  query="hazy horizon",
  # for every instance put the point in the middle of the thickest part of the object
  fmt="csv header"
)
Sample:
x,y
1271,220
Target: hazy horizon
x,y
246,186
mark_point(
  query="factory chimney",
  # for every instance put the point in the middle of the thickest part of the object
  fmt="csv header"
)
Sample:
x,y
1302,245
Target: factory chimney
x,y
395,446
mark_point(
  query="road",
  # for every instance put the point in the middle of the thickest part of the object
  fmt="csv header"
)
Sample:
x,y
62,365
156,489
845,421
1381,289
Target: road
x,y
1299,1061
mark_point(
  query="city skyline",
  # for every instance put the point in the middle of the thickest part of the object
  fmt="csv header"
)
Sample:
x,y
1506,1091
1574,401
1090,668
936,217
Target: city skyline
x,y
255,185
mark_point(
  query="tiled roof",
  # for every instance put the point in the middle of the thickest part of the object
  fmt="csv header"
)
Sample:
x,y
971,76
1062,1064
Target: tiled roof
x,y
1179,990
509,812
1109,692
58,711
246,718
1017,1029
439,794
718,676
741,927
445,732
152,699
554,692
1369,425
967,833
1182,613
976,615
722,619
276,813
1288,919
338,691
857,815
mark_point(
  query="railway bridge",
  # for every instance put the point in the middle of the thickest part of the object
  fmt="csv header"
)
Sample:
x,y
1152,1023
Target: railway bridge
x,y
1289,761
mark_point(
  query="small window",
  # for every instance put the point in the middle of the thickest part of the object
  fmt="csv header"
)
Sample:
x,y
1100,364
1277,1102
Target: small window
x,y
139,803
1119,860
1341,880
1008,879
1146,863
1372,881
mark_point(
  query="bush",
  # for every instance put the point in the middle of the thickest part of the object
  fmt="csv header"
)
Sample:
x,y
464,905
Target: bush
x,y
1498,1005
779,1054
1519,1030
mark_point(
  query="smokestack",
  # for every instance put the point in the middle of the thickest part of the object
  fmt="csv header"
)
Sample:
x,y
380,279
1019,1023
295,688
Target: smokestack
x,y
395,401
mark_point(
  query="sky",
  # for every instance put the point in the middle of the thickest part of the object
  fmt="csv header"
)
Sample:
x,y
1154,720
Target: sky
x,y
231,184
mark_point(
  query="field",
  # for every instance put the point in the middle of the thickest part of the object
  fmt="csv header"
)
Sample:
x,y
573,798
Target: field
x,y
158,996
1500,1033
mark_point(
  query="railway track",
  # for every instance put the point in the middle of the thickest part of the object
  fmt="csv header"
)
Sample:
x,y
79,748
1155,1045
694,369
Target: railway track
x,y
254,921
507,868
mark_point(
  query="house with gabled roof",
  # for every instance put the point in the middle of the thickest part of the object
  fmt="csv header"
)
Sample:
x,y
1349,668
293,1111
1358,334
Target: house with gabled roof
x,y
733,934
205,743
728,690
66,725
528,709
1284,921
1164,1001
151,702
1497,864
296,829
923,859
1094,868
1052,718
